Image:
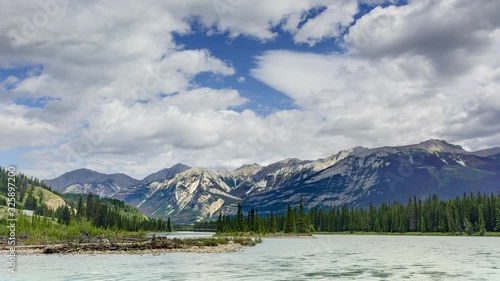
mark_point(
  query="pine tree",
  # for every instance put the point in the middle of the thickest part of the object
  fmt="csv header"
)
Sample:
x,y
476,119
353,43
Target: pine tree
x,y
66,215
456,219
258,226
481,222
251,220
413,215
302,221
376,226
274,224
497,224
89,212
345,218
371,215
422,226
449,218
290,221
239,219
220,226
169,225
80,211
101,215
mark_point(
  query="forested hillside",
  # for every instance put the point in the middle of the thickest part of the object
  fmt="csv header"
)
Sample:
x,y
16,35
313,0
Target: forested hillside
x,y
69,216
469,214
30,194
111,213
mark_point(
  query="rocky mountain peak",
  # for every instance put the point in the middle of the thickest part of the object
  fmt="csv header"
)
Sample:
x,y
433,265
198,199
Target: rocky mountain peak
x,y
247,170
435,145
358,176
487,152
246,166
166,173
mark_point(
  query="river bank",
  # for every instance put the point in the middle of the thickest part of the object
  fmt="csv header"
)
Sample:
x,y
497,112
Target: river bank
x,y
487,234
158,245
267,235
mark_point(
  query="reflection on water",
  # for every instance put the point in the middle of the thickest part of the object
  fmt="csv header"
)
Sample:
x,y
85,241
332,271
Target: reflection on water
x,y
328,257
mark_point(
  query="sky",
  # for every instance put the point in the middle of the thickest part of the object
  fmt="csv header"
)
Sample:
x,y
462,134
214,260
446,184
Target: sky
x,y
138,86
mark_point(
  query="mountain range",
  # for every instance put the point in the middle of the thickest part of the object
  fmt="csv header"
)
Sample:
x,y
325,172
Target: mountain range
x,y
356,177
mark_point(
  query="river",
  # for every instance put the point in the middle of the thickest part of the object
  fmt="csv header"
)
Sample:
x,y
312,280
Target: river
x,y
327,257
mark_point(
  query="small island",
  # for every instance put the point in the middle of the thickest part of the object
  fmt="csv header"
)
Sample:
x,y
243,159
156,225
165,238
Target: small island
x,y
154,245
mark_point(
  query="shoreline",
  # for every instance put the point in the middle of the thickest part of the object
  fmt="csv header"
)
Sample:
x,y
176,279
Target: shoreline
x,y
154,246
289,236
231,247
218,244
268,235
429,234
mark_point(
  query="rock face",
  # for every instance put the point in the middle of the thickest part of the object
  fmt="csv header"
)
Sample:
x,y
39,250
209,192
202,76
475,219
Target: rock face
x,y
106,185
487,152
166,173
389,174
355,177
85,181
194,194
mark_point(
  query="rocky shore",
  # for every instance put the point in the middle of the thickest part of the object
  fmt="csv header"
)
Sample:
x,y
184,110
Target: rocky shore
x,y
154,246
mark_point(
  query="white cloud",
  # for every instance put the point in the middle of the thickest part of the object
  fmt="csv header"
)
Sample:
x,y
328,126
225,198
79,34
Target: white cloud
x,y
329,24
193,62
205,98
449,33
11,81
18,131
125,97
400,84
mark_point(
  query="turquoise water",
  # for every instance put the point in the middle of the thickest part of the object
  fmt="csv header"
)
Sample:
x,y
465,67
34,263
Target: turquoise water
x,y
328,257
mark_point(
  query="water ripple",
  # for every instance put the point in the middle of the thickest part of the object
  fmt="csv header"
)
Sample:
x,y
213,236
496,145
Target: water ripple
x,y
335,257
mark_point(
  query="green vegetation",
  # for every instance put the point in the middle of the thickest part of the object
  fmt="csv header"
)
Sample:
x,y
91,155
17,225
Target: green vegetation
x,y
31,193
45,230
473,214
21,180
107,213
74,199
69,217
295,221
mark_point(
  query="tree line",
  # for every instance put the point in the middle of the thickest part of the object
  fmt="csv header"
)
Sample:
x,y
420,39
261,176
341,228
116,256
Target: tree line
x,y
108,213
98,212
24,193
295,220
471,214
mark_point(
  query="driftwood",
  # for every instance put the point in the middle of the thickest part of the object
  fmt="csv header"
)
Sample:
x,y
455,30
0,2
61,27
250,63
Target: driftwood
x,y
110,247
156,245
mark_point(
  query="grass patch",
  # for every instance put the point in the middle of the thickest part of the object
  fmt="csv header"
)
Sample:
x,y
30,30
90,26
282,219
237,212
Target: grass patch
x,y
39,230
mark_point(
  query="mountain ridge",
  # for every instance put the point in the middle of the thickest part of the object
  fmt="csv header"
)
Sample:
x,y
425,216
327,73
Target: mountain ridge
x,y
356,177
